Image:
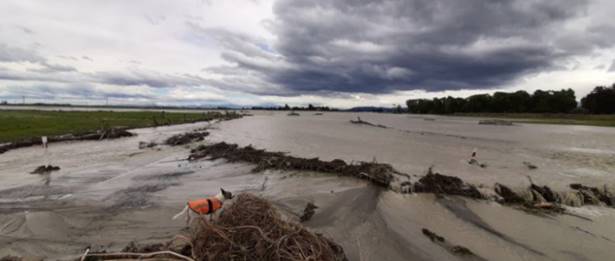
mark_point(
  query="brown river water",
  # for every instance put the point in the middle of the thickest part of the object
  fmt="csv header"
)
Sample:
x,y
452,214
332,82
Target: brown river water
x,y
109,193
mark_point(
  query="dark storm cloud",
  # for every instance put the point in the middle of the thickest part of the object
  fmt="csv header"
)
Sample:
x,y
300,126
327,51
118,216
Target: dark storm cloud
x,y
380,46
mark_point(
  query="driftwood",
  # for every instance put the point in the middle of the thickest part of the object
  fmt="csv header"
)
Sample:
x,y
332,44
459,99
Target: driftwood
x,y
45,169
362,122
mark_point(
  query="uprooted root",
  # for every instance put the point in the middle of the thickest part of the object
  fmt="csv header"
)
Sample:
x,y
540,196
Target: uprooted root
x,y
378,173
251,229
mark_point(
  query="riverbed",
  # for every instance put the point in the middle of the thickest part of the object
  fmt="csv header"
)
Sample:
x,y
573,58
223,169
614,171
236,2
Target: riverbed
x,y
109,193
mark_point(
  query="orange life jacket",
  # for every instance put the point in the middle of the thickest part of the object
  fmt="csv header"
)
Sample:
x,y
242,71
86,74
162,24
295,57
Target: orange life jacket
x,y
205,205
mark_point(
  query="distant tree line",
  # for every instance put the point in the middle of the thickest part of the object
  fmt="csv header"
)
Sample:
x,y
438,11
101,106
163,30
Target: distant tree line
x,y
310,107
600,100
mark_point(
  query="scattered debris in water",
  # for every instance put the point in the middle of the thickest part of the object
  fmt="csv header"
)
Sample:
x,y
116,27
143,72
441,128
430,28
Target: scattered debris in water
x,y
463,252
185,138
308,212
496,122
429,119
318,114
378,173
146,145
362,122
292,113
45,169
529,165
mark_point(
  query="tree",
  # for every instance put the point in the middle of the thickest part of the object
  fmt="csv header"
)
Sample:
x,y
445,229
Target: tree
x,y
600,100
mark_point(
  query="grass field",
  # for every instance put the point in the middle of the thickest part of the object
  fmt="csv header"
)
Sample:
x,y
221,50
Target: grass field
x,y
568,119
23,124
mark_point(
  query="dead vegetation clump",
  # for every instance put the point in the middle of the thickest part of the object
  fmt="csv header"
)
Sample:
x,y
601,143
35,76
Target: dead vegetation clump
x,y
185,138
378,173
251,229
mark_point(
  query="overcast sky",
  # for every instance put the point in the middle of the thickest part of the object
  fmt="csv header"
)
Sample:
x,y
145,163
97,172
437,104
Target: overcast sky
x,y
339,53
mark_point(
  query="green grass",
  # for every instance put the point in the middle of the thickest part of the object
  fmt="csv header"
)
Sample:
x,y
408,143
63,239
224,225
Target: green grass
x,y
567,119
24,124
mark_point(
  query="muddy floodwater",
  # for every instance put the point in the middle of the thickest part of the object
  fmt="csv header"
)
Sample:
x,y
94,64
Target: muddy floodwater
x,y
109,193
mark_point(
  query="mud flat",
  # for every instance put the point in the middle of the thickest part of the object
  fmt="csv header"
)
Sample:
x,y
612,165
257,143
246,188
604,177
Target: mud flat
x,y
110,193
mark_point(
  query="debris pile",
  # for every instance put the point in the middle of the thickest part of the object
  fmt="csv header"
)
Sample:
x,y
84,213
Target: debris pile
x,y
496,122
449,185
460,251
185,138
593,195
362,122
45,169
378,173
251,229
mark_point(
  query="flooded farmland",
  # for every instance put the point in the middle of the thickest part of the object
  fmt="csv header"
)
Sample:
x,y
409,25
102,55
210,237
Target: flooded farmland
x,y
109,193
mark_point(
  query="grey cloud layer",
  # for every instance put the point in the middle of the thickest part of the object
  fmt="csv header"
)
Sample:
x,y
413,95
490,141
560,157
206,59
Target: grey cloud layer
x,y
380,46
